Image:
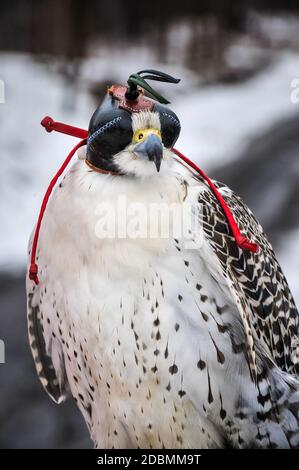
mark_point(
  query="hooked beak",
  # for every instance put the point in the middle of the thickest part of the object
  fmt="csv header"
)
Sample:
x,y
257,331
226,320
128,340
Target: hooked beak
x,y
152,149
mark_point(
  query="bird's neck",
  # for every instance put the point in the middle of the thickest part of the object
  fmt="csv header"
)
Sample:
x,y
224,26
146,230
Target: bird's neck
x,y
104,171
101,163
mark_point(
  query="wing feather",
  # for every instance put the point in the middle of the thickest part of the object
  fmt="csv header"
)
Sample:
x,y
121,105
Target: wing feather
x,y
255,279
45,354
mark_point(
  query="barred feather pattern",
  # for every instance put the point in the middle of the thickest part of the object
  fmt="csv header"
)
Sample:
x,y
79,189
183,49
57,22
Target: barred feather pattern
x,y
264,294
273,314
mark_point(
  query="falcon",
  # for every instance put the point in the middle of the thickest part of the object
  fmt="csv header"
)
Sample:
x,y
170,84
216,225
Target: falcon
x,y
162,342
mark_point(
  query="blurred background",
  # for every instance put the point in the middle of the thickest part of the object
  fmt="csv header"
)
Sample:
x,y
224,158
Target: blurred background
x,y
237,61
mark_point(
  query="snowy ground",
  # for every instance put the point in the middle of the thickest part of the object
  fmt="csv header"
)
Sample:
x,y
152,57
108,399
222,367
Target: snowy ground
x,y
218,122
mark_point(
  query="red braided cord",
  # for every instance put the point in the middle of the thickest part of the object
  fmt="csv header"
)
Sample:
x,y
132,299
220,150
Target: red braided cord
x,y
33,271
51,125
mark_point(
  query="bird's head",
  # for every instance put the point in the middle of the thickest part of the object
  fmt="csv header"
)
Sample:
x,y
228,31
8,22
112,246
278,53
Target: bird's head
x,y
130,133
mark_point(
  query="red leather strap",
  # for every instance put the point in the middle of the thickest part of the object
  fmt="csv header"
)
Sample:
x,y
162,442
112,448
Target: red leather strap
x,y
50,125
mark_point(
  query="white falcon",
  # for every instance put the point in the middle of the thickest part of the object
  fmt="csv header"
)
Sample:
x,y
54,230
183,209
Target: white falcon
x,y
162,343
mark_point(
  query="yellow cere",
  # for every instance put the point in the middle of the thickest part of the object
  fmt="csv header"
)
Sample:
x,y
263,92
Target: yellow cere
x,y
141,134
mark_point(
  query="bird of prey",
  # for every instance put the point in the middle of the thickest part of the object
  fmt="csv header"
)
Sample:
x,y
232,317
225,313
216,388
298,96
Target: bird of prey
x,y
162,343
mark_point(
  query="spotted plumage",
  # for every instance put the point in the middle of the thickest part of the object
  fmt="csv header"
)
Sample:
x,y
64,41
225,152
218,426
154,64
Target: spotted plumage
x,y
164,345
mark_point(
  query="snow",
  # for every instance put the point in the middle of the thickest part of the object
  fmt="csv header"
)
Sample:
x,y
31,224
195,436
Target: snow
x,y
29,155
217,123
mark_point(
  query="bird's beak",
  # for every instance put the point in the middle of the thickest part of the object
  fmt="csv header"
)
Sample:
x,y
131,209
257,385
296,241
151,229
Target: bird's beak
x,y
152,149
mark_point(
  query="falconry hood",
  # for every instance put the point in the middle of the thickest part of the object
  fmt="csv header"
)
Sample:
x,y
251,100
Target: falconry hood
x,y
110,128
